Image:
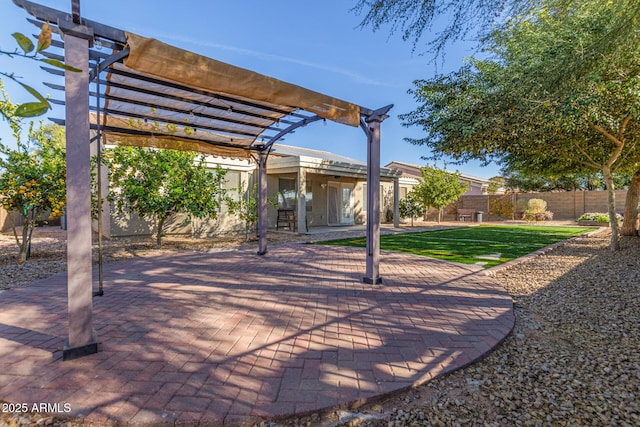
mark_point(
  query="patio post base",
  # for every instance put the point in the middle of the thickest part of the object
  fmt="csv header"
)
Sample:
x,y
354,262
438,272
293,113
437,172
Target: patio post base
x,y
372,281
70,353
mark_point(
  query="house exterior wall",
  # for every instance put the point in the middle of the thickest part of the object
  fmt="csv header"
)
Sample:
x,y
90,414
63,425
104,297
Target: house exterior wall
x,y
130,224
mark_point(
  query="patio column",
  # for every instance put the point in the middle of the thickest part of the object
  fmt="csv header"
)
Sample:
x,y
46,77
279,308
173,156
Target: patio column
x,y
396,202
302,200
81,341
372,275
262,202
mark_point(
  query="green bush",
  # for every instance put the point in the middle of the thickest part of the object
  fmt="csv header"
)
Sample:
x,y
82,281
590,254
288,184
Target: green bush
x,y
537,205
501,206
597,217
537,211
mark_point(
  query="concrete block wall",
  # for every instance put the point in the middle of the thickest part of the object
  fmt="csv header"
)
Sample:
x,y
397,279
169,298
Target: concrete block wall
x,y
566,205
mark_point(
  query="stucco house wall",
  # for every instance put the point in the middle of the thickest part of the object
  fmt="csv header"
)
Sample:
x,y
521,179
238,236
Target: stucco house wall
x,y
318,173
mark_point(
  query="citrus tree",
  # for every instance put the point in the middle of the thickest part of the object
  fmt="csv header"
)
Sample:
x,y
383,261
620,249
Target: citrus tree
x,y
411,206
33,181
160,184
30,50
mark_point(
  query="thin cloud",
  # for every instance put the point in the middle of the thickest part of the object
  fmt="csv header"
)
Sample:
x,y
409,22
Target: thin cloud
x,y
358,78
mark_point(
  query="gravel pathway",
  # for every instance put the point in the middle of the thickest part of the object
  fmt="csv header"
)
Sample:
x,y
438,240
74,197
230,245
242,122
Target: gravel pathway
x,y
573,358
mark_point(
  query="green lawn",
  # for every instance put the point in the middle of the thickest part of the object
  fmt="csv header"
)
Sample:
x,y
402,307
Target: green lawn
x,y
486,244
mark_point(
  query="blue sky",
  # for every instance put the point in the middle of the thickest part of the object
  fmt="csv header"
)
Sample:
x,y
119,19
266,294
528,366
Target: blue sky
x,y
317,45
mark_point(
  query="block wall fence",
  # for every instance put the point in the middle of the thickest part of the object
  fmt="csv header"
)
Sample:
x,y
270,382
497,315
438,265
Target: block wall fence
x,y
566,205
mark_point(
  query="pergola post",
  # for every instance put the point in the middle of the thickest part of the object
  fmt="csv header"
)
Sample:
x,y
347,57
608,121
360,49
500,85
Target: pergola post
x,y
82,340
396,202
372,275
302,201
262,202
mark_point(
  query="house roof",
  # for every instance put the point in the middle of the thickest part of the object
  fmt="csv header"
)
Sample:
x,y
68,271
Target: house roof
x,y
413,171
286,158
289,150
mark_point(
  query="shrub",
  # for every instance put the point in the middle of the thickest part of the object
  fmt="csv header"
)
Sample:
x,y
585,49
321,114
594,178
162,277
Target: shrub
x,y
597,217
388,216
537,211
521,206
501,206
537,205
530,215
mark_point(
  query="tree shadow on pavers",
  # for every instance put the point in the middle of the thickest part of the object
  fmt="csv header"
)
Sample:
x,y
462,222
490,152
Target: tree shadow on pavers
x,y
199,336
347,374
573,354
31,338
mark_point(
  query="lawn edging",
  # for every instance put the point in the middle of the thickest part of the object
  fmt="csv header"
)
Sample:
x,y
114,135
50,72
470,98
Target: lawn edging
x,y
492,271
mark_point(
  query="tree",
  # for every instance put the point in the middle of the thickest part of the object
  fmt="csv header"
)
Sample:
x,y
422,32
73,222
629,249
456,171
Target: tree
x,y
159,184
32,51
496,184
245,206
630,223
521,108
415,17
477,19
528,182
32,177
437,188
411,206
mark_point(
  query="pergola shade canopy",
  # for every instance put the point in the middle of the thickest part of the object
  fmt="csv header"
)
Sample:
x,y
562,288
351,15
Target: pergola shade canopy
x,y
150,94
159,59
165,97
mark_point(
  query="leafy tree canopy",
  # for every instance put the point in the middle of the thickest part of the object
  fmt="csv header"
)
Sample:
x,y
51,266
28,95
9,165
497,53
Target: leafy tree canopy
x,y
30,50
159,184
413,18
447,21
411,206
437,188
32,176
521,108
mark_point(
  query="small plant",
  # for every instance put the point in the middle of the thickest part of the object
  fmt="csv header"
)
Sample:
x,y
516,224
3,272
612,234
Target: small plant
x,y
246,206
537,211
521,206
501,206
388,216
598,217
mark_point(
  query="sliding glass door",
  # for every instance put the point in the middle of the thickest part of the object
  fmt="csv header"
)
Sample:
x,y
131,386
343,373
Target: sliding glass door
x,y
340,203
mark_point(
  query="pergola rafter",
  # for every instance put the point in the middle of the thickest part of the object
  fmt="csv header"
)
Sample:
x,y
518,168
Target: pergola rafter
x,y
150,94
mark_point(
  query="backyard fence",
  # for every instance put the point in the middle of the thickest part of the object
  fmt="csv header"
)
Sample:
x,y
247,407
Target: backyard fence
x,y
566,205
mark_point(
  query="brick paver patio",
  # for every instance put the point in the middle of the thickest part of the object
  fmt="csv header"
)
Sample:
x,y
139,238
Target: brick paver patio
x,y
229,337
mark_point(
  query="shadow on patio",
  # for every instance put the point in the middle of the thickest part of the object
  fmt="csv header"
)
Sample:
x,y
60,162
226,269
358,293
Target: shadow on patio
x,y
229,337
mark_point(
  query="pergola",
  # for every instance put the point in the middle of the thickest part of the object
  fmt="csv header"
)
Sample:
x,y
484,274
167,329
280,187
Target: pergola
x,y
138,91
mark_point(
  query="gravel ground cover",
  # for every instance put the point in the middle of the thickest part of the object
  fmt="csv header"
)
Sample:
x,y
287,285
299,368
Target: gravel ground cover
x,y
573,358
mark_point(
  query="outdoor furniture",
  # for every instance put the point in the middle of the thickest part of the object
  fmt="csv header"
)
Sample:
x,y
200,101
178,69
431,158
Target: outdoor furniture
x,y
286,219
465,214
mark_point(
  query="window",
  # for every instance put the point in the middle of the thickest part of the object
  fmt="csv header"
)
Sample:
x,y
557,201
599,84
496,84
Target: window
x,y
287,197
365,198
232,184
309,196
403,193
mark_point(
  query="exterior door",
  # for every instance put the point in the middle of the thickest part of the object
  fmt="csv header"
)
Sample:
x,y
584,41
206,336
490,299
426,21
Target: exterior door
x,y
340,203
